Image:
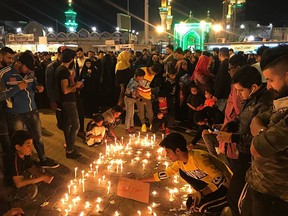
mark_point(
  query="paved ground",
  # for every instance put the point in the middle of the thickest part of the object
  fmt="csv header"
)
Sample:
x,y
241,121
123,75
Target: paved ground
x,y
48,201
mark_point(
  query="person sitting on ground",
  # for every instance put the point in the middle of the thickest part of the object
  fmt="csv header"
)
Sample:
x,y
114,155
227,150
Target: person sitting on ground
x,y
165,110
95,130
19,169
208,176
210,99
111,119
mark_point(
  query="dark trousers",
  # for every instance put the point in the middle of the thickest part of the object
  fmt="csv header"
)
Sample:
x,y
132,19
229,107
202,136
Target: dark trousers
x,y
238,182
168,120
213,202
70,123
30,120
4,133
259,204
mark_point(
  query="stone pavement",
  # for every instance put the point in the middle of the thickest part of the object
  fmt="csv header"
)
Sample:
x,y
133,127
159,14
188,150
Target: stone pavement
x,y
52,199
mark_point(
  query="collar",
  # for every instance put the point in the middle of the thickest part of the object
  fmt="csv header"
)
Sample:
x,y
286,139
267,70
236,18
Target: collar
x,y
280,103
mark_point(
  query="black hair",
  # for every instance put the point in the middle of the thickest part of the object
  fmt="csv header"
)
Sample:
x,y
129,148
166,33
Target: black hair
x,y
68,55
187,51
238,60
246,76
210,90
179,50
174,141
274,56
139,72
117,108
216,49
157,68
97,117
170,67
162,94
206,53
224,51
261,50
6,50
170,46
79,49
19,137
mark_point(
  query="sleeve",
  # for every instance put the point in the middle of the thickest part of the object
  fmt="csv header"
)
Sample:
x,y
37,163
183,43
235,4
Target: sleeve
x,y
164,174
272,141
7,91
216,177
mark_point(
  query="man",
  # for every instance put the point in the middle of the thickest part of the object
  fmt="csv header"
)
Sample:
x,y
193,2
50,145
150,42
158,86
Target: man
x,y
267,177
260,52
257,100
222,76
208,175
169,54
6,57
80,60
21,108
67,88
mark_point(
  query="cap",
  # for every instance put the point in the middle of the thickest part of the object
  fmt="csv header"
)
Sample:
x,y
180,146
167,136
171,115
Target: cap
x,y
27,59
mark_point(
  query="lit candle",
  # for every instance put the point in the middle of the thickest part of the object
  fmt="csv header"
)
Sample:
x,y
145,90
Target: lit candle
x,y
97,168
166,164
75,169
91,167
94,173
117,167
66,197
74,189
139,135
154,193
82,174
69,189
116,213
162,136
143,165
149,209
154,136
87,205
74,202
83,187
97,207
99,181
122,140
63,201
154,214
139,213
66,212
98,200
103,177
171,192
82,214
70,208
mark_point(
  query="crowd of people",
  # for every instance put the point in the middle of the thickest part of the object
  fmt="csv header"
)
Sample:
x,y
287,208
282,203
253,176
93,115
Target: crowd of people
x,y
236,103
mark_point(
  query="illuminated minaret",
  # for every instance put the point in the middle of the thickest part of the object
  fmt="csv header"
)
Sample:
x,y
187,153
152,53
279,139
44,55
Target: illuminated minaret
x,y
233,11
70,14
166,14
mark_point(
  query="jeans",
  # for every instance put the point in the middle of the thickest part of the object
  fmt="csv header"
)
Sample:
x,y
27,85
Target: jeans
x,y
129,106
70,123
18,121
141,110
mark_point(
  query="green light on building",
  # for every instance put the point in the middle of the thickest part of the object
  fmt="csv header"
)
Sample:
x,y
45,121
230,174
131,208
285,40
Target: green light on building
x,y
70,24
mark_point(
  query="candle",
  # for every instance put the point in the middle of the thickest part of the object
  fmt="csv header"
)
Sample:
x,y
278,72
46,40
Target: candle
x,y
75,169
70,208
99,181
74,202
82,214
94,173
154,136
149,209
74,189
63,201
97,208
97,168
66,212
171,192
143,165
162,136
166,164
83,188
116,213
154,214
98,200
117,167
69,189
82,174
154,193
139,213
66,197
87,205
91,167
122,139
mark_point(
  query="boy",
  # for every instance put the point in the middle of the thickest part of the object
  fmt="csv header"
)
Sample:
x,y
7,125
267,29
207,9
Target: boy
x,y
165,113
95,130
129,99
208,175
19,168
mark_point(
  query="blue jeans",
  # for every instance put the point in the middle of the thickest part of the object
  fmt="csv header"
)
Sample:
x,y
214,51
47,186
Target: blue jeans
x,y
129,106
18,121
70,123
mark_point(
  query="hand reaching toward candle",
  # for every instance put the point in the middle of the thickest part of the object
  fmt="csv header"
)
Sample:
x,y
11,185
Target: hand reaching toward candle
x,y
47,179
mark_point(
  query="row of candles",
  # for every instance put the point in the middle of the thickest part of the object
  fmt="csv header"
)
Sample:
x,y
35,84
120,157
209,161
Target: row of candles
x,y
77,185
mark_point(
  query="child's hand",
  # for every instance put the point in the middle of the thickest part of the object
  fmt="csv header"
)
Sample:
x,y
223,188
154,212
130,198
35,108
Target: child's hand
x,y
47,179
160,116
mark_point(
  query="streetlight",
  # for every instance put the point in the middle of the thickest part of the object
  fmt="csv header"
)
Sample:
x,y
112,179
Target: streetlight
x,y
93,29
160,29
18,30
117,29
71,29
50,29
242,26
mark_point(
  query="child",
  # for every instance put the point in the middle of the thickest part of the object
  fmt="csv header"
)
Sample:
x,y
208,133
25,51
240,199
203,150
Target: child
x,y
165,113
95,130
111,120
210,99
194,102
19,168
129,99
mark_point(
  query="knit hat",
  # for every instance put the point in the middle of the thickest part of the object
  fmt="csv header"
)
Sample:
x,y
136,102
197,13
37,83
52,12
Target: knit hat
x,y
27,59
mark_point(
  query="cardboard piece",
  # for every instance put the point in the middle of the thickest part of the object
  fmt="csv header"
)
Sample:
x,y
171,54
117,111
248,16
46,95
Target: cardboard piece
x,y
133,189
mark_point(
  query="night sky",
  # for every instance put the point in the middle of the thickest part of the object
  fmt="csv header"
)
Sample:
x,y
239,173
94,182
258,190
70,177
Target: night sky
x,y
102,13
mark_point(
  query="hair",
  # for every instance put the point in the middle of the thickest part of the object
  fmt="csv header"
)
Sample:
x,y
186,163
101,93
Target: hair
x,y
206,53
224,51
246,76
231,50
238,60
68,55
193,85
139,72
170,46
216,49
6,50
261,50
179,50
162,94
79,49
210,91
174,141
19,137
97,117
170,67
198,51
157,68
274,57
187,51
117,108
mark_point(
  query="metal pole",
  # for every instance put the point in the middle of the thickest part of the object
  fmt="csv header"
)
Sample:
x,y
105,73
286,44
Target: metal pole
x,y
146,27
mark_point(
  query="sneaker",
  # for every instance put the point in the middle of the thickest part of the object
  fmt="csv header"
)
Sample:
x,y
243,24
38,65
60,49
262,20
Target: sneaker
x,y
144,128
73,155
48,163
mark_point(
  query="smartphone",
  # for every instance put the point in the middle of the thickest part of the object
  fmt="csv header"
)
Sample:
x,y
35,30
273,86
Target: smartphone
x,y
215,130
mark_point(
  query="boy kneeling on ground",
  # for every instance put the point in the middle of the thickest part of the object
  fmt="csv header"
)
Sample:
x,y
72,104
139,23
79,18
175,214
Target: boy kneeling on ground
x,y
20,170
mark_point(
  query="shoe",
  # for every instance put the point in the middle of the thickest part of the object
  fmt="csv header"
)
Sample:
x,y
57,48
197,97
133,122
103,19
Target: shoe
x,y
81,134
73,155
144,128
48,163
167,131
